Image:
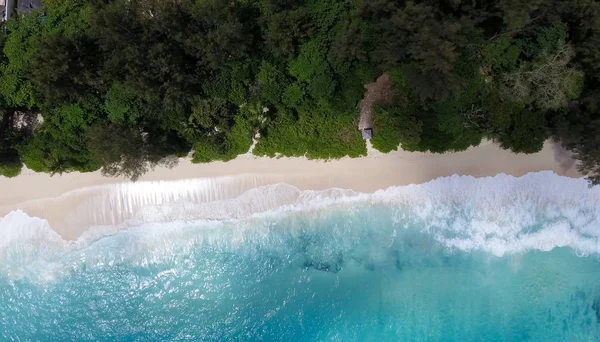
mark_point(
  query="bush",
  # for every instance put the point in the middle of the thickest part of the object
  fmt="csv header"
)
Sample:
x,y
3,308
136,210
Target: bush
x,y
394,127
10,164
527,134
224,146
315,131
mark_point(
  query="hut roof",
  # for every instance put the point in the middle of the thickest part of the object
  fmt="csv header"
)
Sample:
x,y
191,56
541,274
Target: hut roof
x,y
367,133
27,6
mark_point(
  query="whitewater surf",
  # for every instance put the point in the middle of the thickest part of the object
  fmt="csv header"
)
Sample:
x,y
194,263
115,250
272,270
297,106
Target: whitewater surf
x,y
457,258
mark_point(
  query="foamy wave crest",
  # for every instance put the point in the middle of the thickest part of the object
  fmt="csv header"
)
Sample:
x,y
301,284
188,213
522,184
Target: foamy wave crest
x,y
499,215
27,244
504,214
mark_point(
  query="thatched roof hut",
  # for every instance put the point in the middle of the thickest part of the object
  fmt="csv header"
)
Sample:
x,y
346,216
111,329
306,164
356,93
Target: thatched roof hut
x,y
367,133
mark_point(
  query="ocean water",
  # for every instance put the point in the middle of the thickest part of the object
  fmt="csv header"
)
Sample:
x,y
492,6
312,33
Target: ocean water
x,y
456,259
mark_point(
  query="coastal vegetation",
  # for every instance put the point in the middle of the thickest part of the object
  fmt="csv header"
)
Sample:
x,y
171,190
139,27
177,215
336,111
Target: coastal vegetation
x,y
125,85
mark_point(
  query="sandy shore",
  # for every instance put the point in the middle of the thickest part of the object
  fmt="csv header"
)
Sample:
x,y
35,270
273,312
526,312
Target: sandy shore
x,y
73,201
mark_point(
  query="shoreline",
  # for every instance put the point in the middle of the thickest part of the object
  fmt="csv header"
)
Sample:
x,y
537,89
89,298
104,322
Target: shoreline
x,y
74,202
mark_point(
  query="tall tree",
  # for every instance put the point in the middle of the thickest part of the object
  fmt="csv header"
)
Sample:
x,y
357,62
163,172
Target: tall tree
x,y
127,151
577,128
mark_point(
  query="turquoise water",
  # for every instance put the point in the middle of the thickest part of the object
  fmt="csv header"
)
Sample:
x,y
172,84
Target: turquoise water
x,y
361,271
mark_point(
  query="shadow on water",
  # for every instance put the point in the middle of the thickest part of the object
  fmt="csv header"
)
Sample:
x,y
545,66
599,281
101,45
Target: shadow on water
x,y
596,307
332,267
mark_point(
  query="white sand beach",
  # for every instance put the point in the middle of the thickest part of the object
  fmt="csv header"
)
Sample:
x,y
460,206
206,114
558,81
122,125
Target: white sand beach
x,y
73,202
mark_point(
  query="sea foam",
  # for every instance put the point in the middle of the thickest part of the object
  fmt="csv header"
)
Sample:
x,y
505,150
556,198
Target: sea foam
x,y
457,259
498,215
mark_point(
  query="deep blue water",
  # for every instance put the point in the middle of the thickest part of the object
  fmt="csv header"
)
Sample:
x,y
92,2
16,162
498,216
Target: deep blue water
x,y
357,272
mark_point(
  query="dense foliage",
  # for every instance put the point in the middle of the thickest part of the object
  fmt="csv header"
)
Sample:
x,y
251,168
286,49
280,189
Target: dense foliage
x,y
124,85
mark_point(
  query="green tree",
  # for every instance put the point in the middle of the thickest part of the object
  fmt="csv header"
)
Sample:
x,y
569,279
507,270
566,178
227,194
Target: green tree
x,y
224,146
10,163
527,133
211,115
59,144
394,127
122,105
518,14
414,32
577,129
125,85
63,69
220,32
127,151
19,50
550,82
286,31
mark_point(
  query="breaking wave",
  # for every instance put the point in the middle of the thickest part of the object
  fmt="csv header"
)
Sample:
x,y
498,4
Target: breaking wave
x,y
453,259
499,215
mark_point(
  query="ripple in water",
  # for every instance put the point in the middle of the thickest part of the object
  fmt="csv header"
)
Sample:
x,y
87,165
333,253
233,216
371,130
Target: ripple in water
x,y
456,260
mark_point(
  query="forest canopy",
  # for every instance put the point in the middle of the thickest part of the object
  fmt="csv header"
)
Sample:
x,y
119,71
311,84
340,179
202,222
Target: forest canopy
x,y
125,85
